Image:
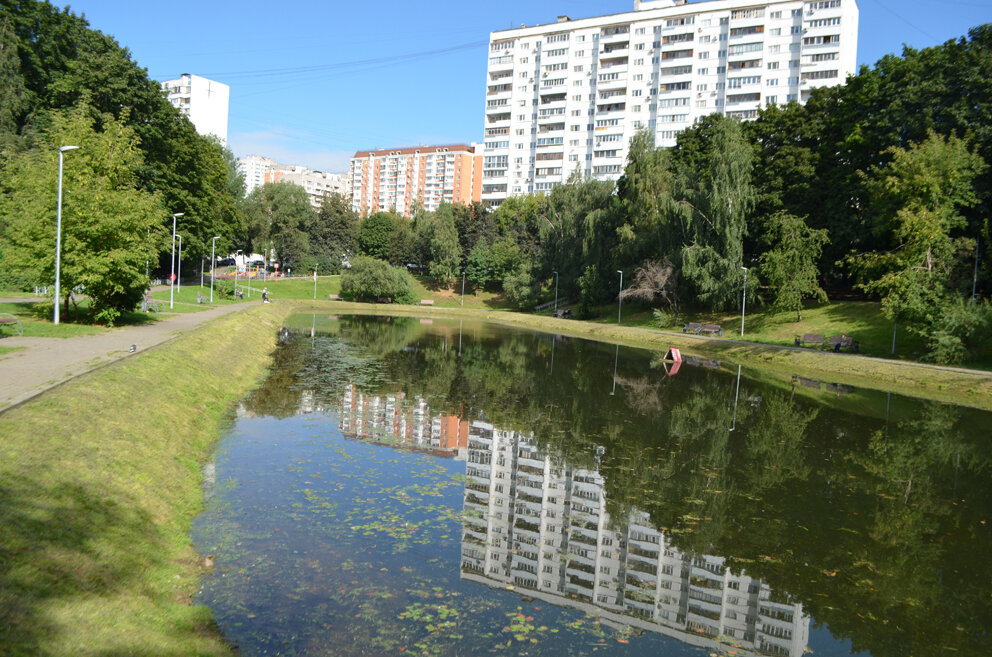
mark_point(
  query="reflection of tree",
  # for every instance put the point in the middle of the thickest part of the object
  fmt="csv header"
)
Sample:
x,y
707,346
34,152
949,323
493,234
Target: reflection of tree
x,y
879,533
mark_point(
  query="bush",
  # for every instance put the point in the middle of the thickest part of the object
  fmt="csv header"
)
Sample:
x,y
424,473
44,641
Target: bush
x,y
370,279
663,318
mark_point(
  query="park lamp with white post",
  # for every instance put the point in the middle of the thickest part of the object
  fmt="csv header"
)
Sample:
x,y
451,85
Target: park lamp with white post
x,y
172,262
58,232
620,296
743,300
179,265
556,292
213,265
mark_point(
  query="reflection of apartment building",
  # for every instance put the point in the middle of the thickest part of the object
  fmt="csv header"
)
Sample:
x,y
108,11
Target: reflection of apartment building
x,y
204,102
398,179
318,184
396,419
567,97
541,526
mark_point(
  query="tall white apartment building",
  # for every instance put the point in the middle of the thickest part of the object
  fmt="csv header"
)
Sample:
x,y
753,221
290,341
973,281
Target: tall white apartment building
x,y
568,96
259,170
205,102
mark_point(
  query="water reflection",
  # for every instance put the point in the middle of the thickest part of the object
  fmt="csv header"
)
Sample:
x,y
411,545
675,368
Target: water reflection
x,y
702,506
538,524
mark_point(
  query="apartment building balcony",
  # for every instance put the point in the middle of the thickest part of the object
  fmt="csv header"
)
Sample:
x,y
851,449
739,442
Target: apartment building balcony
x,y
614,48
551,127
495,116
614,33
500,63
496,89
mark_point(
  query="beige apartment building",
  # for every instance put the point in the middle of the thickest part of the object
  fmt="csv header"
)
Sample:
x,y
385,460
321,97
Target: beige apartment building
x,y
400,178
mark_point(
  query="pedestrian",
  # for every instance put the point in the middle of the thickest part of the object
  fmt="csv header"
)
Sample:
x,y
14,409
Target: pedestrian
x,y
240,294
265,295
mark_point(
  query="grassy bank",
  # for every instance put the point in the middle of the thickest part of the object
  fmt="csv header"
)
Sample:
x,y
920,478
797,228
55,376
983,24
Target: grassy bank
x,y
100,480
968,387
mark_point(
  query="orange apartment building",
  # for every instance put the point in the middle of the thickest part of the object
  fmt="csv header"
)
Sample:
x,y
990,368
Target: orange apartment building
x,y
398,179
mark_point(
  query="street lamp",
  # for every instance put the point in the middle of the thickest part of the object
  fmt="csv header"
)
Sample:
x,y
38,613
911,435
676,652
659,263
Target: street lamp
x,y
236,268
556,292
58,232
172,262
179,265
620,296
213,246
743,300
463,288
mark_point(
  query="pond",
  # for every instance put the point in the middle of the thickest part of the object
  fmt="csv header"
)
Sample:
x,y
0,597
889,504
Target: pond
x,y
409,486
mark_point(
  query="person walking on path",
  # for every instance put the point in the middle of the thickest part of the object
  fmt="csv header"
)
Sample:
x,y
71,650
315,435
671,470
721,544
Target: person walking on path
x,y
265,295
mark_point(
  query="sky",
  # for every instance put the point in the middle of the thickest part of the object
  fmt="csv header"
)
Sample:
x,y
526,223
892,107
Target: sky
x,y
313,81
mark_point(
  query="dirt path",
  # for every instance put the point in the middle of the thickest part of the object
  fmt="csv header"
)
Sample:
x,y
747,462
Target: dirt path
x,y
44,363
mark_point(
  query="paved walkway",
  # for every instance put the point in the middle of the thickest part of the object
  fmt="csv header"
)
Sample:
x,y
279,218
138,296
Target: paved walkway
x,y
44,363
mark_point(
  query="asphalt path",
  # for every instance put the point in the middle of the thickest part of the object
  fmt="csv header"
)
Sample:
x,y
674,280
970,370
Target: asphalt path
x,y
44,363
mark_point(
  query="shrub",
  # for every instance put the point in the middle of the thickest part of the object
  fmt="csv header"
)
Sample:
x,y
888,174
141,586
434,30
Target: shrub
x,y
370,279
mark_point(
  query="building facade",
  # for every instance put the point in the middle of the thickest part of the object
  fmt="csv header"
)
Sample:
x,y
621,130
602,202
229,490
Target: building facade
x,y
204,102
567,97
318,184
399,179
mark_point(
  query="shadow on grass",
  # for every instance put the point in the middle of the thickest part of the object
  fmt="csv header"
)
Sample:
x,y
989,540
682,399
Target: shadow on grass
x,y
62,543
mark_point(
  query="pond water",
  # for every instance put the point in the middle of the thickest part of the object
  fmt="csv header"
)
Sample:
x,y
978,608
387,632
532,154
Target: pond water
x,y
408,486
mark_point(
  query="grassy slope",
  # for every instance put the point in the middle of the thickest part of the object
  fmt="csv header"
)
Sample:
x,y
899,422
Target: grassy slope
x,y
100,481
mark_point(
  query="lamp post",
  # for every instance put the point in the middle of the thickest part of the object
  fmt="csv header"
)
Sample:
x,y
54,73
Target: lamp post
x,y
179,265
58,232
172,262
463,288
556,292
620,296
213,246
743,300
236,268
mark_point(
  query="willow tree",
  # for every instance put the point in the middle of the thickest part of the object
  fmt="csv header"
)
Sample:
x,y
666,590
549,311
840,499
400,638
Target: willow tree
x,y
713,197
790,265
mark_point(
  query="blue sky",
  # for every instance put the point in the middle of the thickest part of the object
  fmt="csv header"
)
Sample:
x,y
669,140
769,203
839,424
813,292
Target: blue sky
x,y
313,81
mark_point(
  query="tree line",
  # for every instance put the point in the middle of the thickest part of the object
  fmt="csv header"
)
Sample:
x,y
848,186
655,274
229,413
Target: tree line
x,y
878,187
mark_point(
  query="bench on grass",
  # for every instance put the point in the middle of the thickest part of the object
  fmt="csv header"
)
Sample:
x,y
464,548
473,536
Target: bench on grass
x,y
809,340
712,329
385,300
6,319
427,302
841,343
692,327
150,303
334,297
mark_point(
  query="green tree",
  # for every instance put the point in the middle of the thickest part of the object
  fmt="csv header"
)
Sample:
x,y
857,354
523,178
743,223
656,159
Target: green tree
x,y
279,216
370,279
333,232
790,266
714,196
110,227
917,203
436,240
375,233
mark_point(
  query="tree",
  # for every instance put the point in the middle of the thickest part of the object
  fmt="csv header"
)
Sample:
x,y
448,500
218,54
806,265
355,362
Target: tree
x,y
790,266
656,280
333,231
917,199
436,240
110,227
713,196
370,279
375,233
279,216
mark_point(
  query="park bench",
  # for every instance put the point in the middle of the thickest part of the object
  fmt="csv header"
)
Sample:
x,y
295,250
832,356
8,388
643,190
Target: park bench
x,y
150,303
6,319
712,329
385,300
199,298
841,342
809,340
334,297
692,327
427,302
563,314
